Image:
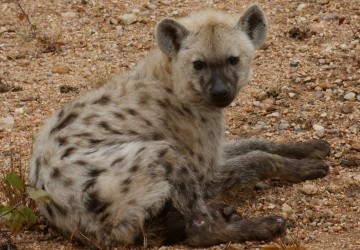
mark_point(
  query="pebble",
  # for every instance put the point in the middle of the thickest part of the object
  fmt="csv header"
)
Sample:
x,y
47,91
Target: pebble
x,y
318,127
256,103
152,6
283,125
349,96
291,95
344,47
286,208
119,30
69,14
84,20
113,21
347,108
259,125
294,63
60,69
309,189
19,111
128,19
301,6
331,16
7,122
358,97
322,61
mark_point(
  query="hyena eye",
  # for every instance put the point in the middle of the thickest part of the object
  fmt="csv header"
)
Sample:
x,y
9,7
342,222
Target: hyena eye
x,y
233,60
198,65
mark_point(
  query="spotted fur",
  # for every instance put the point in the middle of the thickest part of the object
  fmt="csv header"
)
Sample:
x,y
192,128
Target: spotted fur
x,y
143,158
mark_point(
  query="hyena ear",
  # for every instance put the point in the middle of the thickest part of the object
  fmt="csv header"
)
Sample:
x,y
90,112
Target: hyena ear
x,y
253,23
169,35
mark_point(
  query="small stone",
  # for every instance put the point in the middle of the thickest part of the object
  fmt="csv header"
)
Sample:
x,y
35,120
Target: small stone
x,y
262,96
343,47
318,127
271,206
301,6
128,19
291,95
323,115
19,111
69,14
358,97
7,122
349,96
286,208
256,103
319,133
60,69
259,125
322,1
322,61
152,6
84,20
119,30
347,108
283,126
309,189
331,16
113,21
294,63
297,128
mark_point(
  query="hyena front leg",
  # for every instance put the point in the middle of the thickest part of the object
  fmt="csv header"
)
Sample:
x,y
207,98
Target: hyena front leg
x,y
316,149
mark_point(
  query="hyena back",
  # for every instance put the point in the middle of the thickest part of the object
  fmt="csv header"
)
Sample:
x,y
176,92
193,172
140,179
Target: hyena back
x,y
144,155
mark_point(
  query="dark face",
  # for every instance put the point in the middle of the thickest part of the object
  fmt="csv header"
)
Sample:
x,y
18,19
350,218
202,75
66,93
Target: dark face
x,y
218,80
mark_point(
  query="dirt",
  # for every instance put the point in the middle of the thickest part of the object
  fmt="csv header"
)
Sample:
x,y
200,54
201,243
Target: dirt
x,y
306,86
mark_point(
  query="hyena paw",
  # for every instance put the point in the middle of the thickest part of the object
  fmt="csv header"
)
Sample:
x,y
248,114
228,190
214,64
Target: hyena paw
x,y
317,149
306,169
268,227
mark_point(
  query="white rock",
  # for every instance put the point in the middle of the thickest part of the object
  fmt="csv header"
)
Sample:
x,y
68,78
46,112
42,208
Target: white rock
x,y
256,103
286,208
318,127
7,122
291,95
343,47
301,7
128,19
309,189
349,96
69,14
19,110
119,30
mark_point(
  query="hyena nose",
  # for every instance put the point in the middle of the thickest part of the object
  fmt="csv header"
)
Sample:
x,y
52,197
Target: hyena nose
x,y
219,91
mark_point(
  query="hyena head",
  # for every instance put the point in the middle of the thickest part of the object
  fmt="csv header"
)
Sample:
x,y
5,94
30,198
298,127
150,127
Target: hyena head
x,y
211,53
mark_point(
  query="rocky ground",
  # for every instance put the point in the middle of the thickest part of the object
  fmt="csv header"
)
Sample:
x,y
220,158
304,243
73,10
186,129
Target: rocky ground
x,y
306,85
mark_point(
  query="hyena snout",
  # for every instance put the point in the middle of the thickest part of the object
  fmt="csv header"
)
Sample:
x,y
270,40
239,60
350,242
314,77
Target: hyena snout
x,y
221,95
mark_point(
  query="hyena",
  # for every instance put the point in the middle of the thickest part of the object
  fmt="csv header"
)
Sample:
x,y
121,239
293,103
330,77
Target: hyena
x,y
144,157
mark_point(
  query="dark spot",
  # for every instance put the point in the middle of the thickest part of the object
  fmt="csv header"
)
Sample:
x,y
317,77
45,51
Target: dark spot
x,y
147,122
103,100
65,122
95,172
127,181
140,150
125,190
132,202
43,187
162,152
184,171
107,127
200,158
61,140
88,184
117,160
62,210
94,204
187,110
88,119
81,163
55,173
169,90
131,111
37,168
134,169
49,210
68,152
161,103
157,136
68,182
203,119
79,105
104,217
201,178
168,168
85,134
153,175
189,150
95,141
61,114
132,132
119,115
144,99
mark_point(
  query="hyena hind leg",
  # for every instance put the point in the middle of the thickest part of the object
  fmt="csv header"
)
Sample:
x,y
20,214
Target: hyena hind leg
x,y
245,171
316,149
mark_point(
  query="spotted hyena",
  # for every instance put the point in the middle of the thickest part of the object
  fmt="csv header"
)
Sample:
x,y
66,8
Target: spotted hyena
x,y
144,157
